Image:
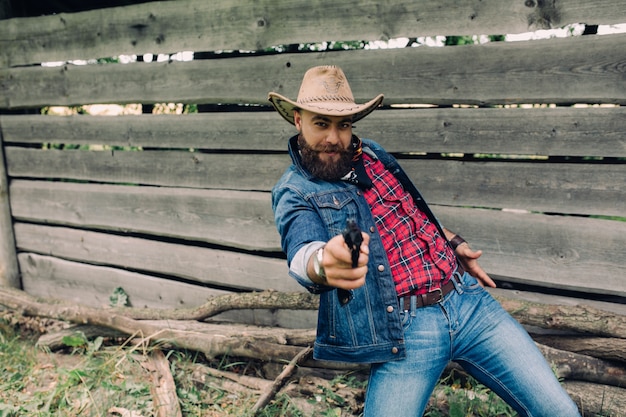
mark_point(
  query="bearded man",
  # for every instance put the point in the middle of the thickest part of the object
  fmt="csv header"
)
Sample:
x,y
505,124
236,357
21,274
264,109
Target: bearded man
x,y
414,299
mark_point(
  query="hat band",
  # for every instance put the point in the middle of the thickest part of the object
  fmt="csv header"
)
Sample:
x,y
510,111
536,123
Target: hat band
x,y
326,99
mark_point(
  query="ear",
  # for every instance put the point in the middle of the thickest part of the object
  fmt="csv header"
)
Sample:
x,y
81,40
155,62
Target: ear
x,y
297,120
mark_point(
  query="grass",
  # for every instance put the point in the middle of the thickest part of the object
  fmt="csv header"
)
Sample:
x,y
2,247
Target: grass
x,y
106,379
87,382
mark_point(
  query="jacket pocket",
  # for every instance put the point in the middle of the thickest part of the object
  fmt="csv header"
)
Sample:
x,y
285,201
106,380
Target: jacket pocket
x,y
335,207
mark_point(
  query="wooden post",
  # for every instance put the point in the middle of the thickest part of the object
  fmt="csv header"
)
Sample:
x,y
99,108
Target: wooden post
x,y
9,270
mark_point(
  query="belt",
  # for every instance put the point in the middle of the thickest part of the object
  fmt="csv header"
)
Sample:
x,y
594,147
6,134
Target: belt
x,y
433,296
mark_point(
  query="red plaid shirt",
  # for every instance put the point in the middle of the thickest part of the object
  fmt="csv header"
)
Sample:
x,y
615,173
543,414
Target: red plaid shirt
x,y
419,257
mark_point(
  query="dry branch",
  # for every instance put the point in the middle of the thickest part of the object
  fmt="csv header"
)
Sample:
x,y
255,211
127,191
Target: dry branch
x,y
267,395
54,340
216,305
199,374
163,388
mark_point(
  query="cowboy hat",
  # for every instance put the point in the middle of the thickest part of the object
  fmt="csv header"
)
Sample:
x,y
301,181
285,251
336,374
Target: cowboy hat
x,y
324,90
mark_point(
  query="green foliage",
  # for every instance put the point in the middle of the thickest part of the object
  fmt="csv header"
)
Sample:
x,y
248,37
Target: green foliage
x,y
119,298
32,383
78,341
470,399
459,40
75,340
470,40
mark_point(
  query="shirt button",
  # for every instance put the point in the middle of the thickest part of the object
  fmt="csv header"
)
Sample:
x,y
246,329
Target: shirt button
x,y
372,229
389,309
381,268
394,350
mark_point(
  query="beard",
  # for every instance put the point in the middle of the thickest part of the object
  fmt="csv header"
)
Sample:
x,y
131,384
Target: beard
x,y
325,170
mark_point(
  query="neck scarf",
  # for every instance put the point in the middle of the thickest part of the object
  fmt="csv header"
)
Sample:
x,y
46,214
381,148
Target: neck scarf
x,y
357,174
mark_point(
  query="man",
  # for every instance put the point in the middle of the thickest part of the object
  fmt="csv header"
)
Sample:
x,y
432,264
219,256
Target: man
x,y
414,299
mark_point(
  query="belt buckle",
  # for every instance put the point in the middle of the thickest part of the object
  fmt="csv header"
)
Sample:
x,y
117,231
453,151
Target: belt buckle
x,y
436,290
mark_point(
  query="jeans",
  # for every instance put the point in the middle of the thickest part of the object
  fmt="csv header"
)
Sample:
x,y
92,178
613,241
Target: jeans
x,y
471,328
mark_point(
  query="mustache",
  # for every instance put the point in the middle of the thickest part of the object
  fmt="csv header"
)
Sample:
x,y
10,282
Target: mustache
x,y
330,148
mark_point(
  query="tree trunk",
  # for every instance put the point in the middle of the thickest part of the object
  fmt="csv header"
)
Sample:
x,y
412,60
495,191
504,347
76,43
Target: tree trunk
x,y
597,400
584,368
582,318
608,348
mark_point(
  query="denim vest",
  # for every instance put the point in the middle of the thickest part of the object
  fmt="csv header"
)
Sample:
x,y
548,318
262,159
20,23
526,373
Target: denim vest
x,y
368,329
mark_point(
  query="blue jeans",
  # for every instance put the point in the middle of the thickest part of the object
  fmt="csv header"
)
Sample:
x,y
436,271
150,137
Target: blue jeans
x,y
472,329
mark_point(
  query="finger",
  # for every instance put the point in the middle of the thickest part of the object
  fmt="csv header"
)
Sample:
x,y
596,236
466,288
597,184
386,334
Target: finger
x,y
485,280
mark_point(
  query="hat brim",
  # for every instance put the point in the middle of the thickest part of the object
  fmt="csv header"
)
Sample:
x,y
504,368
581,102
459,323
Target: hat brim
x,y
285,107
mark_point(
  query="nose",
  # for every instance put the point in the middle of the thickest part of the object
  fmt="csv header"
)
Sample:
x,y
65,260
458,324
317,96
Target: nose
x,y
333,135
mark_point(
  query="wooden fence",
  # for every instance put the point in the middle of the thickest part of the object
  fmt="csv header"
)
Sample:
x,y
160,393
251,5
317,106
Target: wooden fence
x,y
519,146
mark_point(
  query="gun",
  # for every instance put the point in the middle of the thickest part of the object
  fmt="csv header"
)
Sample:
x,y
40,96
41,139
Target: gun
x,y
353,238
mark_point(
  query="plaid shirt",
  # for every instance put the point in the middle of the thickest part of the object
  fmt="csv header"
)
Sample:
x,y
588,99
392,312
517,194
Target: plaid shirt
x,y
419,256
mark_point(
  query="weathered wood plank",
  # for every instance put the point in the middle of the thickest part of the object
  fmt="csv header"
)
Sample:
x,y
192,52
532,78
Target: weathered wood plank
x,y
586,69
91,285
9,269
161,27
587,189
563,131
574,252
227,218
212,267
163,168
570,253
547,187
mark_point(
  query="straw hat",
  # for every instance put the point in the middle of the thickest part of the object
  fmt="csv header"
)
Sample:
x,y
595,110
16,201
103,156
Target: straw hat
x,y
324,90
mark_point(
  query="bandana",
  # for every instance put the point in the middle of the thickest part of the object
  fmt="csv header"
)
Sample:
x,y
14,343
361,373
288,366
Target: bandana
x,y
357,174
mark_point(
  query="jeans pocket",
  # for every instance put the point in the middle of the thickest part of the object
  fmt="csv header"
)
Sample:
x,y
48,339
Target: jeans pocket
x,y
470,284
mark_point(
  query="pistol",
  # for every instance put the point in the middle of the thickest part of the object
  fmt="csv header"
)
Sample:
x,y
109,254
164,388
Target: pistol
x,y
353,238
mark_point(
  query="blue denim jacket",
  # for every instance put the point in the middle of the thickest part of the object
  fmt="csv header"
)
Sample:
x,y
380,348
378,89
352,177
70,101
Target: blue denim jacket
x,y
368,329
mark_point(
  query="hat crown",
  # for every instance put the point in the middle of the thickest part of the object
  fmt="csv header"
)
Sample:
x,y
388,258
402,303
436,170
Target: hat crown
x,y
325,83
324,90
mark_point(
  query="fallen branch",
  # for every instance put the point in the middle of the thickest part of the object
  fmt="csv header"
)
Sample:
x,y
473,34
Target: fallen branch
x,y
54,340
219,304
199,374
267,396
163,388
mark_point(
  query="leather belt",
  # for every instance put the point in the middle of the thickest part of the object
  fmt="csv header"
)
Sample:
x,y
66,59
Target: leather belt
x,y
433,296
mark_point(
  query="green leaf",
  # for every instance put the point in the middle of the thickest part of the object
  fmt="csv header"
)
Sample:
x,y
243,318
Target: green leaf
x,y
119,298
75,340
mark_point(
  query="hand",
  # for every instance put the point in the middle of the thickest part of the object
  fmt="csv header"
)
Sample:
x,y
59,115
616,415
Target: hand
x,y
337,263
469,259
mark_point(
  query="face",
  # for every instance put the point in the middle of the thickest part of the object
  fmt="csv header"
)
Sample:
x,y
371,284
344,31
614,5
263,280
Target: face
x,y
325,144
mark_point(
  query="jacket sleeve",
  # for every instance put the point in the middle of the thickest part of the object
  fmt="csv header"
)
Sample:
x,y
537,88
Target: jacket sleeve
x,y
301,232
